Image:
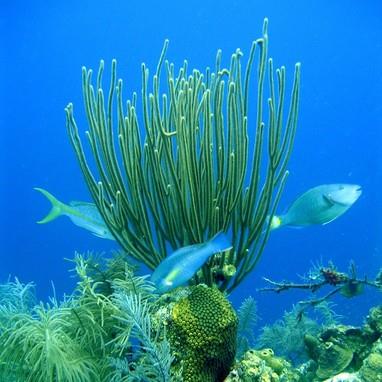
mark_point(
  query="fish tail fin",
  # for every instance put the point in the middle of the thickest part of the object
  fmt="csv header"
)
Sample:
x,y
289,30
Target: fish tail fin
x,y
57,207
276,222
221,242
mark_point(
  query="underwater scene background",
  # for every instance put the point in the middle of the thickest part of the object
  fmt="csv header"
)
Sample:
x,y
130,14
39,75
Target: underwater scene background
x,y
339,44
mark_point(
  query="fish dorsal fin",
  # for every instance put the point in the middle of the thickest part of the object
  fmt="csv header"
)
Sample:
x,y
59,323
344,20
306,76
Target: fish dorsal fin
x,y
184,251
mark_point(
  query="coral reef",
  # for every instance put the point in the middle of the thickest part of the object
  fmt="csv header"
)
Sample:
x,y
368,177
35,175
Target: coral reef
x,y
262,366
103,332
334,353
287,335
333,359
349,350
371,370
203,332
374,321
115,328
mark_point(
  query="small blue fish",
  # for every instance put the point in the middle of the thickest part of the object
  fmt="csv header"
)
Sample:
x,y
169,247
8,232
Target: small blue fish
x,y
82,214
180,266
319,205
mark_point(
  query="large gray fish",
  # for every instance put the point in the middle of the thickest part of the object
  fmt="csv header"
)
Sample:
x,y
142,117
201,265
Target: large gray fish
x,y
319,205
82,214
180,266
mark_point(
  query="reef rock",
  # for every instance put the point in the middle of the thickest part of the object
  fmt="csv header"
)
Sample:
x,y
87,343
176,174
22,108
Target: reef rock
x,y
333,359
262,366
344,377
346,353
371,370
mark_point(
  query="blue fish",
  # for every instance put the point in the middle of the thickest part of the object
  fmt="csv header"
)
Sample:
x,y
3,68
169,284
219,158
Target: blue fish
x,y
180,266
319,205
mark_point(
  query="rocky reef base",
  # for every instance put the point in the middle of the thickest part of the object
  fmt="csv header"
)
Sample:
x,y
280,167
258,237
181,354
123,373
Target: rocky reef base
x,y
339,353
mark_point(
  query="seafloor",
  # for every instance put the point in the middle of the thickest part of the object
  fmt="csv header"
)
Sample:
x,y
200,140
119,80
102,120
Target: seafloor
x,y
115,327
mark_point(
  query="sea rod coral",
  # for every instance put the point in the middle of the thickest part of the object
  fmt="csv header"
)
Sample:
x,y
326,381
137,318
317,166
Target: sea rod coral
x,y
192,163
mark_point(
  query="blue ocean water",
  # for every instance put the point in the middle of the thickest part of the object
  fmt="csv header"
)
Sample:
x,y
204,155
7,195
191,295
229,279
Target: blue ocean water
x,y
339,43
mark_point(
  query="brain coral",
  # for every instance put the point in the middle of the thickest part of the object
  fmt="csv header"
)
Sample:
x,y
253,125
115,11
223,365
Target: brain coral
x,y
203,332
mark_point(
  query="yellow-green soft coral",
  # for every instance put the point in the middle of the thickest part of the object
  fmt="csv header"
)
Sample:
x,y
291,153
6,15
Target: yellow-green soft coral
x,y
203,332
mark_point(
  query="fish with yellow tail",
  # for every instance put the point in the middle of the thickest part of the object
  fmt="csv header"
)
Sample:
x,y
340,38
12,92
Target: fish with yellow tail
x,y
180,266
82,214
319,205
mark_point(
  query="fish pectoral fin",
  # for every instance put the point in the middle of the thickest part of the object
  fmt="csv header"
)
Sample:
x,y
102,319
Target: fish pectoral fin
x,y
169,280
333,201
329,199
98,235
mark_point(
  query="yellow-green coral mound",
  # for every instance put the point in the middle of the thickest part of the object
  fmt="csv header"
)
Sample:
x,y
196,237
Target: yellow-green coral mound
x,y
203,332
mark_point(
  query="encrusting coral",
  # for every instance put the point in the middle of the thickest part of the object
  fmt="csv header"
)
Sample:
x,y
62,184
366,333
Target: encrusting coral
x,y
371,370
356,351
262,366
333,359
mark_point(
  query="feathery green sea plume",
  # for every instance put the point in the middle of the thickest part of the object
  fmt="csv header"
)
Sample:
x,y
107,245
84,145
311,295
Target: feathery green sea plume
x,y
190,172
135,321
248,317
38,348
